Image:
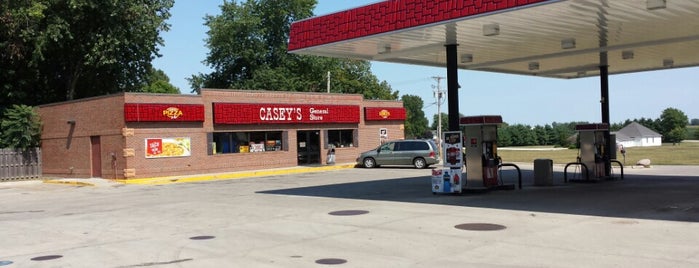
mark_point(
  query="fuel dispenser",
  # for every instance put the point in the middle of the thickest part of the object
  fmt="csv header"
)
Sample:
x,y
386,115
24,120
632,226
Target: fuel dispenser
x,y
592,148
481,135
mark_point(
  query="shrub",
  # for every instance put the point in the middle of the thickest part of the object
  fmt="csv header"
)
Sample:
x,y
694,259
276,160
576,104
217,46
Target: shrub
x,y
21,127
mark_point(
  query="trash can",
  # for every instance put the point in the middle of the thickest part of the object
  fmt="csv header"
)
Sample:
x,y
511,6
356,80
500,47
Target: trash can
x,y
543,172
331,155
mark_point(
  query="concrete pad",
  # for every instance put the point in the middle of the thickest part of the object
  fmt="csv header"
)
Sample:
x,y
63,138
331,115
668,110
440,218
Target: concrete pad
x,y
649,219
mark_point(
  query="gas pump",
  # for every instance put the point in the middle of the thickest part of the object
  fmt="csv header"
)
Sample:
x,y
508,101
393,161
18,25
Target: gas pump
x,y
481,135
592,148
490,163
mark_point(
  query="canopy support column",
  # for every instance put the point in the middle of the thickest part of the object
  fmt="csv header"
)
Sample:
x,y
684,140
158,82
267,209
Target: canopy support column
x,y
610,145
453,86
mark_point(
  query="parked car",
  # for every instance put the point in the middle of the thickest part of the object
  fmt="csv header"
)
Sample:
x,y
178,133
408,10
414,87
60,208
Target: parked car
x,y
418,153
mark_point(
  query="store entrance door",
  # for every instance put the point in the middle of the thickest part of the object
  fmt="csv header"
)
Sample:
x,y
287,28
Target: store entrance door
x,y
308,147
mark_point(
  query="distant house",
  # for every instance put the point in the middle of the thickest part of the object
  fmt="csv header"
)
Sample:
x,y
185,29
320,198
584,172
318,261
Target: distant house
x,y
635,135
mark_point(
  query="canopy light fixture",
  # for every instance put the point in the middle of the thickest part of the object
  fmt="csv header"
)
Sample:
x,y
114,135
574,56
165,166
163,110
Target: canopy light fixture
x,y
466,58
668,63
568,43
384,49
491,29
627,54
533,66
655,4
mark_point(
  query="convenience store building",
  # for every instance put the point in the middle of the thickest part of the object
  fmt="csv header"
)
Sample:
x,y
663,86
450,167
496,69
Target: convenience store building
x,y
139,135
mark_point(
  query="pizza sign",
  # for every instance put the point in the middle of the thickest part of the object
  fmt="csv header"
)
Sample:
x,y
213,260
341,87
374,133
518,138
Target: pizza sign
x,y
172,112
384,113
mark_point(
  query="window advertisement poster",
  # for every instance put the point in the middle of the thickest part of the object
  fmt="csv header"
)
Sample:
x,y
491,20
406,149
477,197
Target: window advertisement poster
x,y
168,147
453,149
257,147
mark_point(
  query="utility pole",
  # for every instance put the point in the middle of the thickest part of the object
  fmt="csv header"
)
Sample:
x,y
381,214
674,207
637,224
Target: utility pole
x,y
328,82
439,94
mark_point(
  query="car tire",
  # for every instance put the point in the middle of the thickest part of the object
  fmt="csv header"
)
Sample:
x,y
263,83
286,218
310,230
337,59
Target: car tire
x,y
369,162
419,163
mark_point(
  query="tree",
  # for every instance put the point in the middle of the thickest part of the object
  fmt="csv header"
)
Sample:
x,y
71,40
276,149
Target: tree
x,y
649,123
563,133
544,135
56,50
676,135
504,136
21,127
522,135
158,82
248,50
415,122
672,124
445,121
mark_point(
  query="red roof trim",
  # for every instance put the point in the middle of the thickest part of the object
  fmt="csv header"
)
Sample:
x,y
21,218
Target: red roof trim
x,y
390,16
481,120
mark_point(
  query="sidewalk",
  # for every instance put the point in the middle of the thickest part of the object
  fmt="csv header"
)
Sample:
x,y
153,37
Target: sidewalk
x,y
199,178
81,182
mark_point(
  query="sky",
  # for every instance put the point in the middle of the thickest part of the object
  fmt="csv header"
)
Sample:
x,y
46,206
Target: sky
x,y
518,99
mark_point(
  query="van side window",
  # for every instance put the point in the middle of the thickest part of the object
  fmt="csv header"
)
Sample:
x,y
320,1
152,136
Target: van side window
x,y
408,146
388,146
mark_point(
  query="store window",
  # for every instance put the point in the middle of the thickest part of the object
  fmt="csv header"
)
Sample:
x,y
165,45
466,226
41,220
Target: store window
x,y
248,142
342,137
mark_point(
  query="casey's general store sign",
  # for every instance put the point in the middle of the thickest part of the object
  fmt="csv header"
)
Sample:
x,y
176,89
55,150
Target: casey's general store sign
x,y
238,113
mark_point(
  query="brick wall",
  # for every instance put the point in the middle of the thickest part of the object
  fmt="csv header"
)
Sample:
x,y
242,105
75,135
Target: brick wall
x,y
66,147
369,130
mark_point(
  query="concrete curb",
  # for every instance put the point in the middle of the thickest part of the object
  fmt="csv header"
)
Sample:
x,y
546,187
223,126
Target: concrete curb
x,y
232,176
68,182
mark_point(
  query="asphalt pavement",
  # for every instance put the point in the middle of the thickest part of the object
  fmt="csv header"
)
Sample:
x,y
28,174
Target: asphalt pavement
x,y
353,217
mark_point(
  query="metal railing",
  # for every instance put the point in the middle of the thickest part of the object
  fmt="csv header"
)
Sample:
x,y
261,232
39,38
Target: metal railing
x,y
621,166
583,167
519,172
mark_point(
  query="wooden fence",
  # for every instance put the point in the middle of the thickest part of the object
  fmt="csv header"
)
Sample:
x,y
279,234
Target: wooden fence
x,y
20,164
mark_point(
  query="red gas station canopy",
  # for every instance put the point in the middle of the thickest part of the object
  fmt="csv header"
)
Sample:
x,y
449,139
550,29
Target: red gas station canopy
x,y
551,38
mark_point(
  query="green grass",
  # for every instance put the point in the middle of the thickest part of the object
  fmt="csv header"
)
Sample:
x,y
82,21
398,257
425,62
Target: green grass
x,y
686,153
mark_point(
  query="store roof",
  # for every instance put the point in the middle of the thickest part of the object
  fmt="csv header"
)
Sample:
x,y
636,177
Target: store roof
x,y
550,38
